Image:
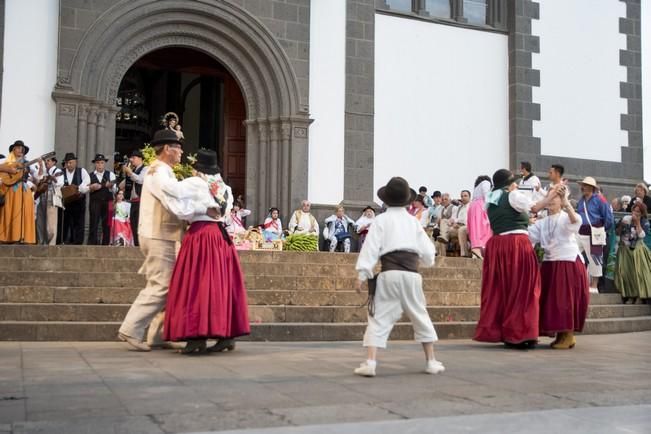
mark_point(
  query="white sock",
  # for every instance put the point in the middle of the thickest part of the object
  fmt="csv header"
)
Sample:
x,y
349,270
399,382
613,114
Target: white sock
x,y
371,363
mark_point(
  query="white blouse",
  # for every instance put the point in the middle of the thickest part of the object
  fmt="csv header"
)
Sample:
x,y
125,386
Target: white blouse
x,y
556,235
393,230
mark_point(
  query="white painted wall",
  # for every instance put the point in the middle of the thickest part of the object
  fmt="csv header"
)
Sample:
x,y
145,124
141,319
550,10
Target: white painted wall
x,y
646,87
579,78
327,100
441,104
28,111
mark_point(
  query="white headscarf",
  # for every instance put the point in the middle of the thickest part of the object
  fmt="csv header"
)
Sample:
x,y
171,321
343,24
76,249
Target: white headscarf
x,y
482,190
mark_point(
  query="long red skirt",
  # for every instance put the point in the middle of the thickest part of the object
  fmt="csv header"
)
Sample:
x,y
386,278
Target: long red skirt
x,y
510,291
564,297
207,297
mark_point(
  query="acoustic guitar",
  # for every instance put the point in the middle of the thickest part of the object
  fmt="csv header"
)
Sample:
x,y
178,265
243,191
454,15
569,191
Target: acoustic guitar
x,y
11,179
42,185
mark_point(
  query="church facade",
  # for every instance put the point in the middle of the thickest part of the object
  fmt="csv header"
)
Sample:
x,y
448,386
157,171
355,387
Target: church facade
x,y
327,99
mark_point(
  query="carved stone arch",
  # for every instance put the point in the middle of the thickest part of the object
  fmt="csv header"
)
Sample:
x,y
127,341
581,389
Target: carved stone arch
x,y
276,162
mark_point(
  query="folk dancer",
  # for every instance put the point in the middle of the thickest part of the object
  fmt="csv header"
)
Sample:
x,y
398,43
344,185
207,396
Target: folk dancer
x,y
363,224
74,214
17,214
399,242
207,297
479,228
337,230
272,228
135,175
102,187
163,206
302,221
596,219
510,287
49,202
564,295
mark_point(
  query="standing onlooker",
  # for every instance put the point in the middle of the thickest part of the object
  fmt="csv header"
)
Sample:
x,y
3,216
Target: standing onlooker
x,y
596,219
633,267
435,212
564,295
135,176
422,192
102,187
49,203
76,180
510,286
17,223
479,228
626,200
641,195
528,178
400,244
616,204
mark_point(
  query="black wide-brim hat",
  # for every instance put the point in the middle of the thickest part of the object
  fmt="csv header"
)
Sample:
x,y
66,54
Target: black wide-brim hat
x,y
2,156
397,192
136,153
503,178
69,156
207,162
99,157
165,137
19,143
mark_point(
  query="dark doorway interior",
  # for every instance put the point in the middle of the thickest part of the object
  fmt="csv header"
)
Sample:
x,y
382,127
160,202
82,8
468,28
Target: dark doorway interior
x,y
200,91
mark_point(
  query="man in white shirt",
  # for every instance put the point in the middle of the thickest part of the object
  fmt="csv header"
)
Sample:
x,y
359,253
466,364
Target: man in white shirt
x,y
49,202
164,204
102,188
455,227
132,186
74,215
529,182
302,221
399,242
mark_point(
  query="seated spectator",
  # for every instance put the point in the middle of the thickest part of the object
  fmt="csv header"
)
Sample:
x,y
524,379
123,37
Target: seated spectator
x,y
616,204
633,267
626,200
364,223
419,211
235,220
302,221
435,212
641,195
422,192
455,227
338,229
272,228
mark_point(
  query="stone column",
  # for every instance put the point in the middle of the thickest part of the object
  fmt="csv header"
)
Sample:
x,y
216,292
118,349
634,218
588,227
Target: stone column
x,y
273,167
101,146
285,157
262,181
252,167
91,138
82,122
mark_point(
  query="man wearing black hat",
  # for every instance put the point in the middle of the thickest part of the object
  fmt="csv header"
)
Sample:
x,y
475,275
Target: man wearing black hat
x,y
400,243
163,206
102,187
74,215
132,187
49,202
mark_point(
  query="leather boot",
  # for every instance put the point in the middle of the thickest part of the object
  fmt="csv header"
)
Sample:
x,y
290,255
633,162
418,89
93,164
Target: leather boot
x,y
567,342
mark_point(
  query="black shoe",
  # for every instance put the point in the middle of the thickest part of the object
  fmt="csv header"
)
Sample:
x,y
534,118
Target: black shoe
x,y
222,345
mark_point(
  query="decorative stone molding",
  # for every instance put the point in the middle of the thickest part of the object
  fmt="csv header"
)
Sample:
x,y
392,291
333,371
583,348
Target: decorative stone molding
x,y
130,29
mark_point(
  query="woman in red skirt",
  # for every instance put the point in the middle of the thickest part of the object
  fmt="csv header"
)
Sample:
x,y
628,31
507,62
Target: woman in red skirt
x,y
510,288
207,297
565,291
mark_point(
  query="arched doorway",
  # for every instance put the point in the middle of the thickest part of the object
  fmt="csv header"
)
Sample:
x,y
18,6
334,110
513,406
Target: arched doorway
x,y
276,121
204,95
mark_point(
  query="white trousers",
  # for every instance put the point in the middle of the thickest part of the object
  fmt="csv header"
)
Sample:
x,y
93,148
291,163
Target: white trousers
x,y
397,292
160,256
595,262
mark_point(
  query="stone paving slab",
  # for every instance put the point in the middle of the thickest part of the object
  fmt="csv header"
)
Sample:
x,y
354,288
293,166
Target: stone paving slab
x,y
77,387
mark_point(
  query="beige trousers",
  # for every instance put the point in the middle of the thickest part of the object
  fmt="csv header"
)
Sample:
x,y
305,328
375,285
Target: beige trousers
x,y
145,311
449,232
52,221
398,292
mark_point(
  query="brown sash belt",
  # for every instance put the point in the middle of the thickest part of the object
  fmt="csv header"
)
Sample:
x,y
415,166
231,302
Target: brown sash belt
x,y
398,260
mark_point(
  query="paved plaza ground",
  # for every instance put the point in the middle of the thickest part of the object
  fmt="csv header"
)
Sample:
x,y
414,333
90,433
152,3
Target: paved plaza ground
x,y
603,385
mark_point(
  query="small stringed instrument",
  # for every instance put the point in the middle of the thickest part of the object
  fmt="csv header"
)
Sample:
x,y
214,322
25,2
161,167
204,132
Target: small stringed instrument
x,y
11,179
42,185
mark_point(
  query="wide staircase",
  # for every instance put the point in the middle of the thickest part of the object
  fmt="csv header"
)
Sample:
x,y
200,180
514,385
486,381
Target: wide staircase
x,y
81,293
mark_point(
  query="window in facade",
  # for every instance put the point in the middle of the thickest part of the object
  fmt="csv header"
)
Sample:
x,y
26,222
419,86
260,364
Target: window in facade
x,y
400,5
474,11
438,8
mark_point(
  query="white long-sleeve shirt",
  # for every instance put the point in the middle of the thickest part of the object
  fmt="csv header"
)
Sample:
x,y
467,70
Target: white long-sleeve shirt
x,y
85,179
393,230
557,236
306,222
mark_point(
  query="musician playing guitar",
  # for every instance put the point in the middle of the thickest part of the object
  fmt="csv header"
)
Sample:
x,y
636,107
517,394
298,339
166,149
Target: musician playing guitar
x,y
48,202
17,212
102,187
74,178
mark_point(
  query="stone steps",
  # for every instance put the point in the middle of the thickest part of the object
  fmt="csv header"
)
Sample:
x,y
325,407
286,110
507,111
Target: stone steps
x,y
107,331
275,314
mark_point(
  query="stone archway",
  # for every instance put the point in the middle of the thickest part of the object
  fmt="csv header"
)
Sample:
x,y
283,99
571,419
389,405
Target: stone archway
x,y
277,147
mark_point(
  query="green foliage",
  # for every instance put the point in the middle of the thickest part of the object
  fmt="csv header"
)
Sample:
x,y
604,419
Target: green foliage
x,y
181,170
301,243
